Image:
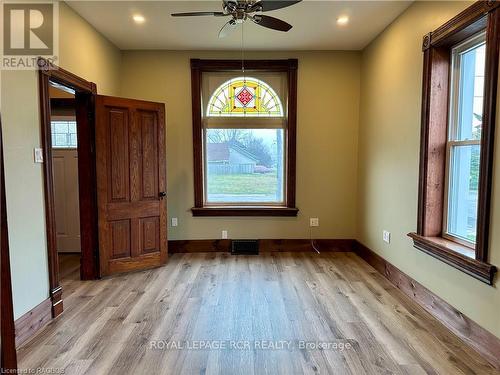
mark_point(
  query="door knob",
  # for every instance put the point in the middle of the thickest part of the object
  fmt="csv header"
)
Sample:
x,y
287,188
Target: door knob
x,y
162,194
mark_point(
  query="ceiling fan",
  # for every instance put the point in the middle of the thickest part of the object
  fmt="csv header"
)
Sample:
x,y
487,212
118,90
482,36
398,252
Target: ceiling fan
x,y
241,10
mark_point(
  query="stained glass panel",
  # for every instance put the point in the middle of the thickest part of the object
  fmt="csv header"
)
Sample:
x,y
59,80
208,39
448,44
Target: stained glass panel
x,y
244,96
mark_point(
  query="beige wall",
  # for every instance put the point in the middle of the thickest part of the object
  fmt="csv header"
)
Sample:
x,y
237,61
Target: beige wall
x,y
389,157
95,59
86,53
24,193
328,95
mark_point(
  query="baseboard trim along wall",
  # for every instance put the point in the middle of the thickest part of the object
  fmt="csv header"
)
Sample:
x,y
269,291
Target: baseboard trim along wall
x,y
484,342
35,319
265,245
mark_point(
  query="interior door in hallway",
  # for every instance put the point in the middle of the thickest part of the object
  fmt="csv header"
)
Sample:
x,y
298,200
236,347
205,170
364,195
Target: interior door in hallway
x,y
131,184
67,208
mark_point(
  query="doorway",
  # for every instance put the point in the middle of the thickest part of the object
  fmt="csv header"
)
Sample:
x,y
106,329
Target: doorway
x,y
121,179
67,120
63,127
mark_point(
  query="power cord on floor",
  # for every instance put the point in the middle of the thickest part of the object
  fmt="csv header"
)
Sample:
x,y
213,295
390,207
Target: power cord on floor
x,y
313,242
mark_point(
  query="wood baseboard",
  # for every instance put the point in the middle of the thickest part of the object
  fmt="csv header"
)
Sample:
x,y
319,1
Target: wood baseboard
x,y
35,319
484,342
266,245
57,301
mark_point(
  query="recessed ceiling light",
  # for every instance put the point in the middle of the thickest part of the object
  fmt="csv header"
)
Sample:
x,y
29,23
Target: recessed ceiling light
x,y
138,18
342,20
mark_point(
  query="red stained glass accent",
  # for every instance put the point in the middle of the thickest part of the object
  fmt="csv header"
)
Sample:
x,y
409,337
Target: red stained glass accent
x,y
244,96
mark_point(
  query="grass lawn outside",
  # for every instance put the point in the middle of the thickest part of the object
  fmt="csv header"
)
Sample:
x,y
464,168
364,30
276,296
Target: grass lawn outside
x,y
244,184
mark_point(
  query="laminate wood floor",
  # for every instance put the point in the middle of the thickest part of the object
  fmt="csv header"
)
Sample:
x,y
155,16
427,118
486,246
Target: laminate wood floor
x,y
276,313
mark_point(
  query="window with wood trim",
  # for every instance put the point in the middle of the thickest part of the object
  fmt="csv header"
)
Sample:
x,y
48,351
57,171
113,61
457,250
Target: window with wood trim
x,y
244,137
456,154
464,140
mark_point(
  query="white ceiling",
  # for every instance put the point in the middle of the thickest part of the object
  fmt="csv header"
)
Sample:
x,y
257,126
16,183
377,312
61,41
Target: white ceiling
x,y
314,22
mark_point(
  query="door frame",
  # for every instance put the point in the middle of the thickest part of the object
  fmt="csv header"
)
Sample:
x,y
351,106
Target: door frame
x,y
85,93
8,356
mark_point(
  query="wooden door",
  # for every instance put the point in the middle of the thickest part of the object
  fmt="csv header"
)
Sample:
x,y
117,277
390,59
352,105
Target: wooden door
x,y
131,184
66,200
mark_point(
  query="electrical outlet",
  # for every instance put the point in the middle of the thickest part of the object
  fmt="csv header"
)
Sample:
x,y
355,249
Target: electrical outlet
x,y
174,222
386,236
224,234
38,154
314,222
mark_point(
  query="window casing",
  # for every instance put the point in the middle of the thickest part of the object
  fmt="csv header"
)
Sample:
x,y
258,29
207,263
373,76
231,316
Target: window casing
x,y
457,140
244,130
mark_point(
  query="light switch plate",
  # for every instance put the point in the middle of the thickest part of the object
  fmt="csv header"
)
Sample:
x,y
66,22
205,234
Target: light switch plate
x,y
38,154
386,236
224,234
174,222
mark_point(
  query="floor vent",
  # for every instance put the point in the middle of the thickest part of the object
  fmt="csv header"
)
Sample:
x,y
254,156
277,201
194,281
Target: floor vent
x,y
245,247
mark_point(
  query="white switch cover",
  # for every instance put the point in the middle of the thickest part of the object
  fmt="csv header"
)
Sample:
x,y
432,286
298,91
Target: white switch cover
x,y
314,222
386,236
38,152
174,222
224,234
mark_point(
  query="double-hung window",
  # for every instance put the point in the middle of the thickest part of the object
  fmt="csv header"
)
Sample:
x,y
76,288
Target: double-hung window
x,y
460,78
244,137
464,140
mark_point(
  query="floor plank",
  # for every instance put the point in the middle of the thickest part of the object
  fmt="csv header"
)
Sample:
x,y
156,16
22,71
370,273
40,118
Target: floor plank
x,y
276,313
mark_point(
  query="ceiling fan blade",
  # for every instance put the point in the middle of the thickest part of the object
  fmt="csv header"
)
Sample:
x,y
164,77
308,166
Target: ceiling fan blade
x,y
271,22
193,14
268,5
231,5
228,28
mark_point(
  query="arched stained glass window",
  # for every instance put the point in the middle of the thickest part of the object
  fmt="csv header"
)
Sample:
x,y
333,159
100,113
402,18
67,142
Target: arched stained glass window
x,y
245,96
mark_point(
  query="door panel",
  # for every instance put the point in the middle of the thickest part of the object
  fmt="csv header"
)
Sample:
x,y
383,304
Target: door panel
x,y
118,155
120,239
150,234
130,148
66,200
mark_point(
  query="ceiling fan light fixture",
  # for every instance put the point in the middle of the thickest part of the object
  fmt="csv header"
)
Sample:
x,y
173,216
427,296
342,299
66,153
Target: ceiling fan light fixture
x,y
242,10
342,20
138,18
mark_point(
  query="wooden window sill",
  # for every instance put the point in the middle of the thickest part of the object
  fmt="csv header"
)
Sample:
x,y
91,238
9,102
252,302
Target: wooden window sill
x,y
244,211
456,255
